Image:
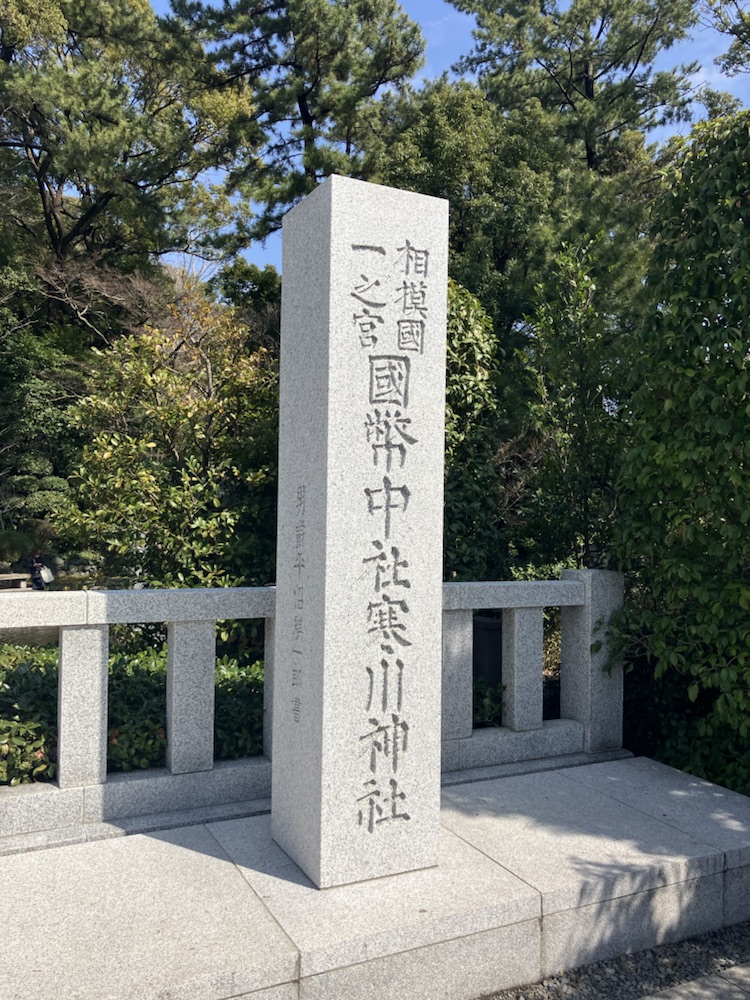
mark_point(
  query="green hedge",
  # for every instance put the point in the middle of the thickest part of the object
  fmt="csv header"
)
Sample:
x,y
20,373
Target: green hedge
x,y
136,731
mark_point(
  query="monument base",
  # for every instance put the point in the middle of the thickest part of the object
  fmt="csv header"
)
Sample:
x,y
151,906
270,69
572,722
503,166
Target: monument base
x,y
537,873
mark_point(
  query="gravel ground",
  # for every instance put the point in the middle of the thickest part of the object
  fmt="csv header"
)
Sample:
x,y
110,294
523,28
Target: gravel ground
x,y
631,977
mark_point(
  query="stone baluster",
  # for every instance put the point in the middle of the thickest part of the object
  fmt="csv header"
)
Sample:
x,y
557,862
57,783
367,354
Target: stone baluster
x,y
191,666
82,706
523,652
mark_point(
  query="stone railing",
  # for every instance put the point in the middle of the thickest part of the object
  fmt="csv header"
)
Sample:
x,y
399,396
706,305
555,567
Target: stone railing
x,y
85,796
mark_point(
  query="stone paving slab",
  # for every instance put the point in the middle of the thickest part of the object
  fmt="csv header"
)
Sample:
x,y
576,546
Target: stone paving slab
x,y
465,894
706,811
138,918
573,843
739,975
536,873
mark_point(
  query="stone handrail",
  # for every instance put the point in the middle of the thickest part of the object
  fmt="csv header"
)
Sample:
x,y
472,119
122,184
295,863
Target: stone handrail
x,y
591,698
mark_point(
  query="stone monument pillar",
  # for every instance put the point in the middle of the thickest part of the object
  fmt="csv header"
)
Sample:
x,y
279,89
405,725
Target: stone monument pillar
x,y
356,707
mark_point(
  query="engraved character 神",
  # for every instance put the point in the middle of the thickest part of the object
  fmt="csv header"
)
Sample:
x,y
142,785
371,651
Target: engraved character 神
x,y
389,740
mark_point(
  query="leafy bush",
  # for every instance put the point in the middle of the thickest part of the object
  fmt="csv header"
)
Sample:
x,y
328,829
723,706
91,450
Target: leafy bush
x,y
24,753
136,734
28,714
685,492
238,710
136,731
487,703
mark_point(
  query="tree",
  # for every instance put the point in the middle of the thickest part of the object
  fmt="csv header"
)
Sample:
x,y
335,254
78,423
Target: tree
x,y
108,121
177,481
591,63
580,356
732,19
23,21
685,489
472,548
313,68
499,174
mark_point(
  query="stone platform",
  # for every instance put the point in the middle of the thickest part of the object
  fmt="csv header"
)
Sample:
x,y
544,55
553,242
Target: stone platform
x,y
536,873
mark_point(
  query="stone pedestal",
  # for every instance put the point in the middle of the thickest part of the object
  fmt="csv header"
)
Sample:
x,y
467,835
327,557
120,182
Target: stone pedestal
x,y
356,707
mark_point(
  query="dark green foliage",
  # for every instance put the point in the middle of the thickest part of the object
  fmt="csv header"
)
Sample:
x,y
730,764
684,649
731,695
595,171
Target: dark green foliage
x,y
579,356
472,427
41,373
136,727
104,135
487,703
313,68
24,752
500,173
590,64
685,489
28,714
238,709
177,483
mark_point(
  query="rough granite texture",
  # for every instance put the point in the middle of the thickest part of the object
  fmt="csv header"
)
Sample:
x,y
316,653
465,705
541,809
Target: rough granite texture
x,y
82,706
139,793
590,687
716,815
454,970
574,847
513,594
630,923
191,667
353,923
159,916
30,808
490,747
523,652
356,718
179,605
26,610
457,692
536,874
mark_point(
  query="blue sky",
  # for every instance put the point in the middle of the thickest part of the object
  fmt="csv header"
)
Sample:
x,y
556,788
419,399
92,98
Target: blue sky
x,y
447,34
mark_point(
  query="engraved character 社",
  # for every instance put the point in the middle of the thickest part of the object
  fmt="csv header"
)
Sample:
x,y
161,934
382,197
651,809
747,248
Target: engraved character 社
x,y
388,569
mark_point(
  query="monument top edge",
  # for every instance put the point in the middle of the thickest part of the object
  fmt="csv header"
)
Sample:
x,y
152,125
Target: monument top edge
x,y
337,182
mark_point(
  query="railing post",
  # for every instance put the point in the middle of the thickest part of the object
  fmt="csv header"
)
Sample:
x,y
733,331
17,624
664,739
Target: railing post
x,y
82,706
589,693
268,651
191,665
457,682
523,653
